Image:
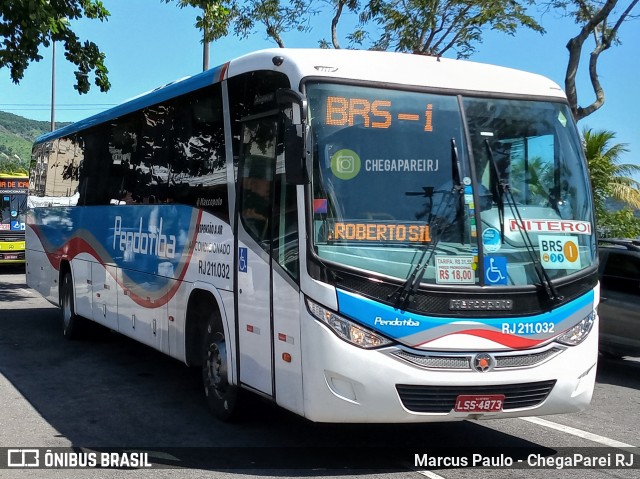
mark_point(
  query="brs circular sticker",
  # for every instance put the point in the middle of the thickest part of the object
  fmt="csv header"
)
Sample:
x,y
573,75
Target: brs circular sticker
x,y
559,252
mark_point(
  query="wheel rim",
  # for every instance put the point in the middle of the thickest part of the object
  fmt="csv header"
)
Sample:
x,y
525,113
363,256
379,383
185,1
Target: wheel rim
x,y
216,368
66,310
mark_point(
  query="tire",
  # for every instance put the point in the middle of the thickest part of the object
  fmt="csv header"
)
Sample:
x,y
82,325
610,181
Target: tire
x,y
71,322
223,399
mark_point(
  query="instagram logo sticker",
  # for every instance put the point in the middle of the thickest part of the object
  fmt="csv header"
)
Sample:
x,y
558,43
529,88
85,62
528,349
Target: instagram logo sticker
x,y
345,164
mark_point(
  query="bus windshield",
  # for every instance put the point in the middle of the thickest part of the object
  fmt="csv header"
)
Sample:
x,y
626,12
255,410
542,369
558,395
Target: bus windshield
x,y
12,214
492,188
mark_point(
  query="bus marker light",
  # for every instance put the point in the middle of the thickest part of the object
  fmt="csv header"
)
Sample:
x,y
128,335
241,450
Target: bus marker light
x,y
171,318
287,339
286,357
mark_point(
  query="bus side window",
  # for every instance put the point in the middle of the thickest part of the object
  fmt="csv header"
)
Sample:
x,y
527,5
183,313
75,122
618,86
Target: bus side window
x,y
68,185
94,173
285,239
122,147
198,163
256,178
248,95
154,152
38,169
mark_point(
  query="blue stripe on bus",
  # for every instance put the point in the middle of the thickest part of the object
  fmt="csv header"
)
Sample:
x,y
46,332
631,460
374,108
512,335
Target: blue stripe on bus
x,y
398,324
109,239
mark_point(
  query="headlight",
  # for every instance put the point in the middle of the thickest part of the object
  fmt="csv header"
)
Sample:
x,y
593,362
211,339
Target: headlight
x,y
346,329
579,332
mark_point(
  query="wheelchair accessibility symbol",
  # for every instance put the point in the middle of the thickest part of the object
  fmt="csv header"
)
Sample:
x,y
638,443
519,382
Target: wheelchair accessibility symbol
x,y
495,270
17,226
243,265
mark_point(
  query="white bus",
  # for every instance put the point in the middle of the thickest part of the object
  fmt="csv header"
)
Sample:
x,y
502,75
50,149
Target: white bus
x,y
358,236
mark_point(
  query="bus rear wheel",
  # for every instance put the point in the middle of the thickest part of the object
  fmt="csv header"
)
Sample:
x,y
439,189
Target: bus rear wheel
x,y
71,322
223,398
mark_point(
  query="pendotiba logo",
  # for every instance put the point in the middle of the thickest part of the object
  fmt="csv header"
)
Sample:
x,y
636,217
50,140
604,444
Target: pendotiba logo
x,y
150,242
396,322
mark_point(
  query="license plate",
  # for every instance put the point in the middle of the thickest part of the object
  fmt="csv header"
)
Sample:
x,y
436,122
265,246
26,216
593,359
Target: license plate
x,y
10,256
478,403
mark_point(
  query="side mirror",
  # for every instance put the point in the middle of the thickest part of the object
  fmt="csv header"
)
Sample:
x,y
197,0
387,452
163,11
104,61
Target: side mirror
x,y
293,107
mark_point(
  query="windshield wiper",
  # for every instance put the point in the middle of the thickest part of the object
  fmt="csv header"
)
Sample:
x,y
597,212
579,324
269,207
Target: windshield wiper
x,y
406,292
498,187
503,188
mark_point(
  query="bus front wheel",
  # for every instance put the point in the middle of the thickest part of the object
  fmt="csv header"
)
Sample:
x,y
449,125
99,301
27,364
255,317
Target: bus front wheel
x,y
70,320
222,398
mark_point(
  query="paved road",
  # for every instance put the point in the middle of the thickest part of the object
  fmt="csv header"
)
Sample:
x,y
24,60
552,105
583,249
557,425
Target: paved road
x,y
110,392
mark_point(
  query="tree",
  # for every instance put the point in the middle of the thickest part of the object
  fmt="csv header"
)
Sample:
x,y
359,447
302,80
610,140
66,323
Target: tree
x,y
430,27
619,224
12,165
611,180
338,8
276,16
215,19
600,21
25,25
426,27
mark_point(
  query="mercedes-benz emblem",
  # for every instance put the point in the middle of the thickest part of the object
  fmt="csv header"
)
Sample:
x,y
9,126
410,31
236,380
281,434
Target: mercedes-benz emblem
x,y
483,362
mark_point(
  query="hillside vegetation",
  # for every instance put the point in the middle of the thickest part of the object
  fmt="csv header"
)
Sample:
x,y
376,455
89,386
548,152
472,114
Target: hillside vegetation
x,y
17,135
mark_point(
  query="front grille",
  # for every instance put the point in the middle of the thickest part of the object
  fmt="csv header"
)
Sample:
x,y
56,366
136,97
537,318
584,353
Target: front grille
x,y
435,361
525,360
441,399
511,360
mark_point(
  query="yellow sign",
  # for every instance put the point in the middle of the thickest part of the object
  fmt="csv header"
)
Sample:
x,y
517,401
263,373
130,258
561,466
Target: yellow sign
x,y
14,183
378,232
342,111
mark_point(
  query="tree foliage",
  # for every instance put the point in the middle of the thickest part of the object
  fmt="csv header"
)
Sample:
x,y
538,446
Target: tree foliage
x,y
426,27
434,27
601,21
277,17
611,180
337,9
215,17
619,224
12,165
26,25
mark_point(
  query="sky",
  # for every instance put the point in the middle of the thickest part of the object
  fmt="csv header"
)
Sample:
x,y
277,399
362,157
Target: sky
x,y
149,43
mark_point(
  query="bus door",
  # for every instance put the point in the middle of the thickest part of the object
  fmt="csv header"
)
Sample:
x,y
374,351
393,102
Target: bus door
x,y
254,237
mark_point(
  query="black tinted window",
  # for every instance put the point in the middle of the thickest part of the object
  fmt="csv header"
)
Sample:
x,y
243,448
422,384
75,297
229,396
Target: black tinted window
x,y
622,273
622,266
